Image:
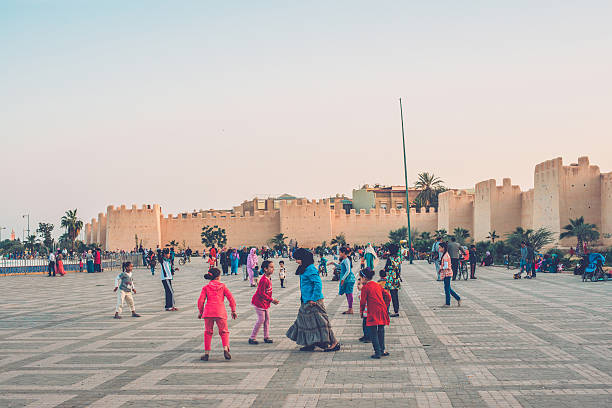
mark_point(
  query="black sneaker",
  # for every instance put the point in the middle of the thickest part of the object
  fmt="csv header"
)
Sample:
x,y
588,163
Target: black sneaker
x,y
376,356
307,348
269,341
251,341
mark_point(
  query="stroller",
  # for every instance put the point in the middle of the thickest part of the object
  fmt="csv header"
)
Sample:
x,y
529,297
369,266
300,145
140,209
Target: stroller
x,y
594,270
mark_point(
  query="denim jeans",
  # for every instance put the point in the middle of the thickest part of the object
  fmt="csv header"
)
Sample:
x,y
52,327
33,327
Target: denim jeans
x,y
448,291
394,299
377,335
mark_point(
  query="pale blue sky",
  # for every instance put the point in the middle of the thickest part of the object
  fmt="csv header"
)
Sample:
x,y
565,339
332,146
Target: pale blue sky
x,y
201,104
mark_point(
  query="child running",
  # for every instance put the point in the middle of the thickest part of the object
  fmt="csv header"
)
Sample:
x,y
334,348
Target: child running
x,y
377,301
282,273
261,301
125,283
213,295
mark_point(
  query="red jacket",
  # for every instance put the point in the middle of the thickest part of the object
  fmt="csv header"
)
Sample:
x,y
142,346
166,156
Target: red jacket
x,y
263,294
377,301
213,295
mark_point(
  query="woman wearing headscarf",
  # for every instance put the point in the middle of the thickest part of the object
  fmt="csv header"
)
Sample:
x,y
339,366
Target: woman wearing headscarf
x,y
311,327
370,256
234,258
251,265
347,279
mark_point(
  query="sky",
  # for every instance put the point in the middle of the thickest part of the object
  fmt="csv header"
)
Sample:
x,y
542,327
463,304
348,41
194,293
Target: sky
x,y
203,104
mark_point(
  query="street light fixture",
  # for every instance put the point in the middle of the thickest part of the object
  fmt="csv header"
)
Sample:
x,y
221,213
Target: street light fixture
x,y
406,180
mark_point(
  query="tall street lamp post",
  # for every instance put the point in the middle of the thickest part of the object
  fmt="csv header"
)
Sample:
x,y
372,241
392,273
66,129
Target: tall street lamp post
x,y
406,180
28,216
1,228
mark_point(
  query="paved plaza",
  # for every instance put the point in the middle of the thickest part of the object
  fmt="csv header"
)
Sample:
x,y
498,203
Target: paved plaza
x,y
539,343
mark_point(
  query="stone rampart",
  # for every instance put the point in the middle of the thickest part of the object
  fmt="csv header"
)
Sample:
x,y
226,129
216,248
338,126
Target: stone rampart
x,y
124,226
606,208
496,208
374,226
456,210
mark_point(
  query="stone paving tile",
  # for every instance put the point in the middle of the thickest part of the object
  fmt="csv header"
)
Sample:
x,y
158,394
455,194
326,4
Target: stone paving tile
x,y
545,342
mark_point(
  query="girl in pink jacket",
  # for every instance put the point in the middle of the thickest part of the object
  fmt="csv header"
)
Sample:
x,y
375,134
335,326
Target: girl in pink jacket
x,y
213,295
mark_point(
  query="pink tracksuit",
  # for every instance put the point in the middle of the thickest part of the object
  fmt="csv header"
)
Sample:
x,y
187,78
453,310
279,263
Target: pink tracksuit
x,y
211,305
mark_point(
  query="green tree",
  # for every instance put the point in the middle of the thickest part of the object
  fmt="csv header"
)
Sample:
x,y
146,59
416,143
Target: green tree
x,y
430,186
45,229
339,239
536,239
492,236
461,235
72,225
32,243
441,233
277,242
583,231
7,246
213,236
320,250
425,235
397,235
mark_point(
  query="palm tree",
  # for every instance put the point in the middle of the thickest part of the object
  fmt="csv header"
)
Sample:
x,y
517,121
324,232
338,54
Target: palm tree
x,y
441,233
320,250
584,232
461,235
72,224
397,235
425,236
536,239
172,243
430,186
492,236
31,243
277,242
339,239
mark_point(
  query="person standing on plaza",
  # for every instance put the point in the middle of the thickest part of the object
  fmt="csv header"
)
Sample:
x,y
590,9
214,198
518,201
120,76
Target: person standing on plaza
x,y
97,261
152,263
446,272
51,267
376,300
347,279
124,282
243,262
59,265
435,253
261,302
455,251
213,254
252,267
523,261
282,273
394,279
89,261
224,260
370,256
211,307
311,327
234,260
473,261
167,272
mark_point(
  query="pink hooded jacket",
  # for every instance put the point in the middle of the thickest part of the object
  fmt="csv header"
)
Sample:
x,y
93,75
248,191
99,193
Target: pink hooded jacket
x,y
213,295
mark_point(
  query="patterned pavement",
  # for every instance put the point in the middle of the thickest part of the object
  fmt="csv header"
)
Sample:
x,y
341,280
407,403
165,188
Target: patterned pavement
x,y
539,343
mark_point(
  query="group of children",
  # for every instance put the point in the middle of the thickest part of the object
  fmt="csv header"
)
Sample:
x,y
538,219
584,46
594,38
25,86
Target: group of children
x,y
374,306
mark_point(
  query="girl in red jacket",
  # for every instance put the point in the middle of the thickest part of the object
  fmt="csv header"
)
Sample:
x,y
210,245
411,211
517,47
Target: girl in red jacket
x,y
213,295
261,301
377,301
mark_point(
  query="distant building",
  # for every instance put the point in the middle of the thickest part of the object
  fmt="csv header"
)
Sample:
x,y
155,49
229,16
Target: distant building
x,y
382,197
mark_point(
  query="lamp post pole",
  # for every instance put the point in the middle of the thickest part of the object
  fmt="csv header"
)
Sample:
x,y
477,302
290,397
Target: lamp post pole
x,y
406,180
28,216
1,228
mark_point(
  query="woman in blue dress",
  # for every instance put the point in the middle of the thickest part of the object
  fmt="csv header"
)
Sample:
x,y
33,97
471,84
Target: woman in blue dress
x,y
347,279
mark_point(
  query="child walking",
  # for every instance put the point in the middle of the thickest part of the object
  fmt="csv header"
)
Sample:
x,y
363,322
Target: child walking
x,y
282,273
377,301
125,283
261,301
212,308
